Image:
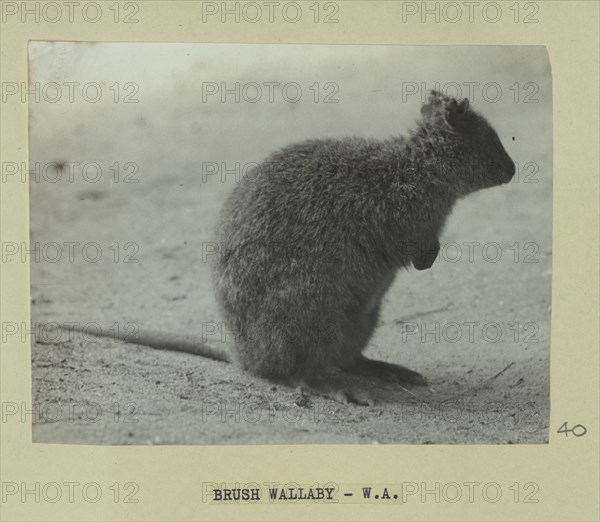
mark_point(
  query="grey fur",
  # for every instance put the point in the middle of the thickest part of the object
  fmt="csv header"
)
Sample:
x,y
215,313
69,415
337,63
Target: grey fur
x,y
312,239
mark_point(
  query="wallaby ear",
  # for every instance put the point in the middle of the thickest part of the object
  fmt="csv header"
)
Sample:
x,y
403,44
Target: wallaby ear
x,y
455,113
448,110
434,102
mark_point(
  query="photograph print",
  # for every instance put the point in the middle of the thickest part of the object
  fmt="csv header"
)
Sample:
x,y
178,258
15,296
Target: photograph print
x,y
289,244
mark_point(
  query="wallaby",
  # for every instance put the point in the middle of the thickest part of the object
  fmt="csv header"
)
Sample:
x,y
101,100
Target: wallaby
x,y
310,241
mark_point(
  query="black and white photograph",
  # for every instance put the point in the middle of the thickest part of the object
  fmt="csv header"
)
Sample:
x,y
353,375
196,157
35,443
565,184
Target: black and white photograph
x,y
251,244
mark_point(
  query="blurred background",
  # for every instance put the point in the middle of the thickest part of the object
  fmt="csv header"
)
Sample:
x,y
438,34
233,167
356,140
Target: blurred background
x,y
158,102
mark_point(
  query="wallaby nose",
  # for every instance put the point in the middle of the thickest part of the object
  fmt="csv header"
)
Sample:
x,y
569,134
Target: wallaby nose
x,y
512,169
509,169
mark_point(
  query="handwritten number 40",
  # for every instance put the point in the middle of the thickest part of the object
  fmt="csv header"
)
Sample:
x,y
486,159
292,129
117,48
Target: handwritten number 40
x,y
579,430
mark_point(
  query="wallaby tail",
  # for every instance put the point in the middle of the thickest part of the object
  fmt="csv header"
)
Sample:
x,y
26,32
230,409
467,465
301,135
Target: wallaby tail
x,y
158,340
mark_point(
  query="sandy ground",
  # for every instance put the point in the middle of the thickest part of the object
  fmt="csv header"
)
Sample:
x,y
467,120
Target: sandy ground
x,y
460,324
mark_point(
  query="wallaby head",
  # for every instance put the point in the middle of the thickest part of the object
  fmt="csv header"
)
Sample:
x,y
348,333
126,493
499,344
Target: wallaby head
x,y
468,150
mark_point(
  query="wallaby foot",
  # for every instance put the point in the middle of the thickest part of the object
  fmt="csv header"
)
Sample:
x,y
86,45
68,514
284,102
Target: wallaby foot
x,y
384,370
320,387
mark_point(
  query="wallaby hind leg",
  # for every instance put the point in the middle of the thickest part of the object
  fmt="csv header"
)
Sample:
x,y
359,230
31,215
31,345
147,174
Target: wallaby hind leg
x,y
357,333
325,379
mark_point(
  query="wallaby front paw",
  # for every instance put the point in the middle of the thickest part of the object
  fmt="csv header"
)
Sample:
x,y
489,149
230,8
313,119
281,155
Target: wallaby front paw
x,y
427,255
